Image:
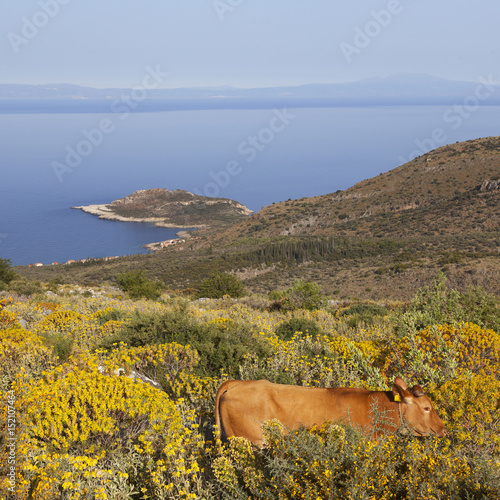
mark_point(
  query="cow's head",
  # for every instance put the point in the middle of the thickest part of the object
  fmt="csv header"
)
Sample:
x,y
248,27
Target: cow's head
x,y
417,410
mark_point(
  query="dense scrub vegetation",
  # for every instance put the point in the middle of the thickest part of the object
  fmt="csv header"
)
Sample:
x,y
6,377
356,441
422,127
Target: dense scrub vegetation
x,y
391,267
85,428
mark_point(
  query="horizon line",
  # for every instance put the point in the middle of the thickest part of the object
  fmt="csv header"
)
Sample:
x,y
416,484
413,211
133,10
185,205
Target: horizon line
x,y
271,86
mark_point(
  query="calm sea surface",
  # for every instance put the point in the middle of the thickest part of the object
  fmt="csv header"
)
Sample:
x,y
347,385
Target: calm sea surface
x,y
53,160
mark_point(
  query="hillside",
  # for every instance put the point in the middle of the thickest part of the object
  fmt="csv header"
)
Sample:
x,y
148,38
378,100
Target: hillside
x,y
381,239
445,191
166,208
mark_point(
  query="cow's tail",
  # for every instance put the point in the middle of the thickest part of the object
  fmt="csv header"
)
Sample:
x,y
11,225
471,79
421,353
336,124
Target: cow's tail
x,y
222,389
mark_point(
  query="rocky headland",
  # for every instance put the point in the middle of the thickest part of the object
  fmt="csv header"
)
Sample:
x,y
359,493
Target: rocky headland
x,y
171,208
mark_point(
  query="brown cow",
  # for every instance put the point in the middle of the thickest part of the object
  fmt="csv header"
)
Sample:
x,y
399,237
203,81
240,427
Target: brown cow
x,y
241,406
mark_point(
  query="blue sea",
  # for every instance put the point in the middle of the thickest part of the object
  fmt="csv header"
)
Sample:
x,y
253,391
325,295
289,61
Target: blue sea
x,y
59,155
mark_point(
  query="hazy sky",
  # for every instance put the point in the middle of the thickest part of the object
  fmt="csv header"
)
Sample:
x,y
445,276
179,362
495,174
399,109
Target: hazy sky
x,y
245,43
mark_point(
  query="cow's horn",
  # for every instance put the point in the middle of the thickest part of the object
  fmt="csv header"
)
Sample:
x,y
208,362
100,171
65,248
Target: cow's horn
x,y
417,391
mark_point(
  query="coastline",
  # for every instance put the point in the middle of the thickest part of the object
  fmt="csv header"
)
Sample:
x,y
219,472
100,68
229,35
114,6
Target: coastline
x,y
104,212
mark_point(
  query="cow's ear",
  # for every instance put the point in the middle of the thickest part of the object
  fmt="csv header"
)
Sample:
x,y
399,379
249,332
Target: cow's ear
x,y
417,391
401,383
400,392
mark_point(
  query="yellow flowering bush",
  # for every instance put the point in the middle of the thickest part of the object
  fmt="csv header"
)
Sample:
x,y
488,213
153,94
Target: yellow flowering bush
x,y
29,312
110,328
336,462
222,324
86,430
105,313
440,353
161,362
82,329
60,321
22,350
5,302
193,387
239,468
198,392
87,418
170,365
213,311
7,319
320,361
302,360
477,349
61,475
81,411
470,408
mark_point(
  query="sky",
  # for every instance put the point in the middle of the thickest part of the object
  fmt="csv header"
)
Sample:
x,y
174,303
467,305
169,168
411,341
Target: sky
x,y
245,43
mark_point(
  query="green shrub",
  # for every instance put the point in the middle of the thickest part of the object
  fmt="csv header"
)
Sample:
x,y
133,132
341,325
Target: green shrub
x,y
480,308
22,286
219,348
154,328
138,286
450,258
62,345
219,284
288,329
439,304
368,310
302,295
6,273
53,284
109,315
364,313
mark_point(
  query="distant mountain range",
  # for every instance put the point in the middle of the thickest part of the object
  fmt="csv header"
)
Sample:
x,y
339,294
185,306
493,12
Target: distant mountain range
x,y
397,89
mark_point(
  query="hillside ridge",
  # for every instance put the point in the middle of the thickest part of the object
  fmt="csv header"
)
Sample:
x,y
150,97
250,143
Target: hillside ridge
x,y
436,190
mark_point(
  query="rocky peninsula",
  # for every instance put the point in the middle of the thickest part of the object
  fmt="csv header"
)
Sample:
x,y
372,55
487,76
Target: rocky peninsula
x,y
174,209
